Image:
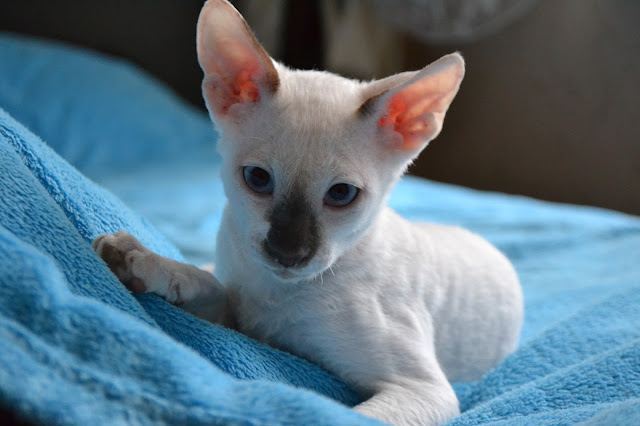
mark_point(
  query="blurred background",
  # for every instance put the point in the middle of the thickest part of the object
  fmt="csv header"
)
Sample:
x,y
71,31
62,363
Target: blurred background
x,y
550,106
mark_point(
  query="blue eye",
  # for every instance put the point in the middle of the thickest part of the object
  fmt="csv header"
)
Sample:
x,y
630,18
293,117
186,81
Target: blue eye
x,y
258,180
341,195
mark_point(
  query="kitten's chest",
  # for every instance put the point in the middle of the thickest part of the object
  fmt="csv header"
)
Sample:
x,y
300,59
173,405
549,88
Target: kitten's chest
x,y
340,327
314,320
281,318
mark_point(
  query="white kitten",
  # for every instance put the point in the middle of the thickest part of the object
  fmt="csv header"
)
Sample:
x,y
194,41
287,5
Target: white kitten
x,y
309,258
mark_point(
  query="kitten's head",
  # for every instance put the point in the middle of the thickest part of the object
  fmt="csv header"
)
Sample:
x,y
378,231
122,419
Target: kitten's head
x,y
309,158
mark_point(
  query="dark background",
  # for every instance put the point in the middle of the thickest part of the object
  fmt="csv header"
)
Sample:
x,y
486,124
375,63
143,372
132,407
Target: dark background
x,y
550,106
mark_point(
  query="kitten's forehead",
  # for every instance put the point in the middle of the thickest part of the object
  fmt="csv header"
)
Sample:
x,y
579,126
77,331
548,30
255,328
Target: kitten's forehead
x,y
307,126
318,96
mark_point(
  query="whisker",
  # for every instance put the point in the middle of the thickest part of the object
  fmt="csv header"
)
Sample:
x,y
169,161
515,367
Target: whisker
x,y
241,248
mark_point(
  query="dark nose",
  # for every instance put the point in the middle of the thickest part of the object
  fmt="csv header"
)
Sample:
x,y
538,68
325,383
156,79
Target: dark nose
x,y
293,236
285,256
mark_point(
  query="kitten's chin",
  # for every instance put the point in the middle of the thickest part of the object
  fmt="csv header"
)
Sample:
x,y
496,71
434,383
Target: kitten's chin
x,y
288,275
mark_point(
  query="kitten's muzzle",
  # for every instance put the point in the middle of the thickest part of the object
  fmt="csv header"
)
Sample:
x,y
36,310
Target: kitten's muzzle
x,y
293,237
287,257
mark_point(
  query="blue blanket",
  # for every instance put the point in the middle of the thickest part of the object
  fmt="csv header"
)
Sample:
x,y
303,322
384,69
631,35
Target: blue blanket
x,y
117,150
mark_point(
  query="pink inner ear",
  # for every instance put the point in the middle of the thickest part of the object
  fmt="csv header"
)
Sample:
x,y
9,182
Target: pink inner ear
x,y
394,110
232,84
237,69
409,116
245,89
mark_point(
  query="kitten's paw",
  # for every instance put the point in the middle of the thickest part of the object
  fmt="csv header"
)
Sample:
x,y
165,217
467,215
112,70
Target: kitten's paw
x,y
121,251
139,269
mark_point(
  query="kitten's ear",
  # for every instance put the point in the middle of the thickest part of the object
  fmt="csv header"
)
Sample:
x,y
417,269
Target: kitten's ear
x,y
237,69
409,108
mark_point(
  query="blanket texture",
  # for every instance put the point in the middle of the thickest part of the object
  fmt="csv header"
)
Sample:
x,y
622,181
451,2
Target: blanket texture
x,y
116,150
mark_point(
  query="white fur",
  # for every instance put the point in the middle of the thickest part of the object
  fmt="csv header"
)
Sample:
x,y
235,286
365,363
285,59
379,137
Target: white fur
x,y
395,309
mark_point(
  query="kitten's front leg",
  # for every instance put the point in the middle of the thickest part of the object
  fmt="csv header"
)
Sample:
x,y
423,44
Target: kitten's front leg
x,y
142,271
412,403
408,385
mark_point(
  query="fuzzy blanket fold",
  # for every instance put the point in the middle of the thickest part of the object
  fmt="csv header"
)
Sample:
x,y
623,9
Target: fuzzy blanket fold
x,y
121,152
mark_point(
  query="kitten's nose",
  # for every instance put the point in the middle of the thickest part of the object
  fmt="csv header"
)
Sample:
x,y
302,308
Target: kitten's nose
x,y
286,258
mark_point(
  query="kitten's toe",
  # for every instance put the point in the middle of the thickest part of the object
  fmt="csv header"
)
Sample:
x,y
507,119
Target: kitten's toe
x,y
119,251
136,285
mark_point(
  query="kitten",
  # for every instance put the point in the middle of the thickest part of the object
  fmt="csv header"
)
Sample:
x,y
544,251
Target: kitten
x,y
309,258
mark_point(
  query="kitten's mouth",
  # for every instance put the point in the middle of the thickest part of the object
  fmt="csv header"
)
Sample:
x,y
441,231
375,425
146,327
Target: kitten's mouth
x,y
283,273
286,274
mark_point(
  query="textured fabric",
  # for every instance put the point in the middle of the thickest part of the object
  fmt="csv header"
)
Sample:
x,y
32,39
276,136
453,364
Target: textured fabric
x,y
449,21
78,348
